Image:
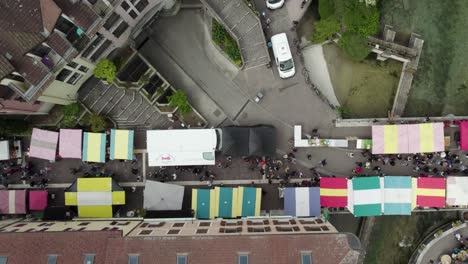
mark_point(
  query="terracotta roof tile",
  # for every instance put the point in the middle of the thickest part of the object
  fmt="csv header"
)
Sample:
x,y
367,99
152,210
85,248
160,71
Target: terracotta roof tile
x,y
271,249
69,246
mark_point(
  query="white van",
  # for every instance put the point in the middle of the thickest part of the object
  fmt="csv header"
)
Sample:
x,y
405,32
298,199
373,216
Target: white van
x,y
274,4
283,57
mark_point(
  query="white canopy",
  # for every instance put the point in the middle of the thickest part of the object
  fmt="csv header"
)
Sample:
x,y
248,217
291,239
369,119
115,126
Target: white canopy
x,y
162,196
4,150
457,193
181,147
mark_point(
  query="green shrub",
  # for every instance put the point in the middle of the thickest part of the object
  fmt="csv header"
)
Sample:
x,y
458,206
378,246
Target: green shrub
x,y
355,46
70,113
326,8
343,112
97,123
13,127
179,99
105,69
325,28
360,18
222,38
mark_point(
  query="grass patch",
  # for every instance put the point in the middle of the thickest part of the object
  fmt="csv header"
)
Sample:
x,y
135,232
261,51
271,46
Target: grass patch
x,y
389,230
364,89
222,38
440,84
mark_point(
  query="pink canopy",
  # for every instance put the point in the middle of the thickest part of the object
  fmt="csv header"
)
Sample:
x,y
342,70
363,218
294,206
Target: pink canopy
x,y
43,144
37,200
464,135
12,202
70,143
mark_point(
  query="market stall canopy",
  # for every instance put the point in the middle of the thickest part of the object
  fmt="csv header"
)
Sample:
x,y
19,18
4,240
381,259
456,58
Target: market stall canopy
x,y
181,147
95,197
333,192
37,200
226,202
121,144
4,150
12,202
415,138
43,144
464,135
302,201
70,143
397,195
204,203
242,141
365,196
162,196
430,192
457,191
94,147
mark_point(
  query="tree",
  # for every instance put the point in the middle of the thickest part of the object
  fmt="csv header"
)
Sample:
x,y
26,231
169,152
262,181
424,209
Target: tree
x,y
360,18
97,123
325,28
326,8
105,69
355,46
179,100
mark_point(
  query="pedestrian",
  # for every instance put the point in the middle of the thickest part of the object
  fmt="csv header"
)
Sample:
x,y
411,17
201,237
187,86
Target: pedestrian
x,y
323,162
174,176
350,154
309,157
133,189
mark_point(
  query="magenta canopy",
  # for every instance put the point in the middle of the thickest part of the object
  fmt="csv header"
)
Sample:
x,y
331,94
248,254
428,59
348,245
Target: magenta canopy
x,y
12,202
37,200
70,143
464,135
43,144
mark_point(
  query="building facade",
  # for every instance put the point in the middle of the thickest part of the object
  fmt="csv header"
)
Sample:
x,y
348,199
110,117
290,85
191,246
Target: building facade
x,y
252,240
49,48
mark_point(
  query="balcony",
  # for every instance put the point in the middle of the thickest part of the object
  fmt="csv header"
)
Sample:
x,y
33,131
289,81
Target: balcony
x,y
74,34
47,56
101,7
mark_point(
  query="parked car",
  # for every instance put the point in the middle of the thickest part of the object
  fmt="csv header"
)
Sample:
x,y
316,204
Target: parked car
x,y
283,57
274,4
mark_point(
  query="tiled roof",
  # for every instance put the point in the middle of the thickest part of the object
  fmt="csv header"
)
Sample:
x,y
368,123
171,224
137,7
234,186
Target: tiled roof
x,y
69,246
22,28
57,42
110,247
271,249
5,66
79,12
32,70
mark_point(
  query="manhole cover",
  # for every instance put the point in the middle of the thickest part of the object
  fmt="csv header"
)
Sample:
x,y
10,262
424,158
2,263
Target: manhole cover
x,y
217,113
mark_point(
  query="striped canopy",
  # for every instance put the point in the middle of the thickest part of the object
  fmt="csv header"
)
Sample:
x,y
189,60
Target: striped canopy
x,y
416,138
397,195
430,192
457,191
302,201
366,196
226,202
121,144
203,203
95,196
333,192
250,200
12,202
94,147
